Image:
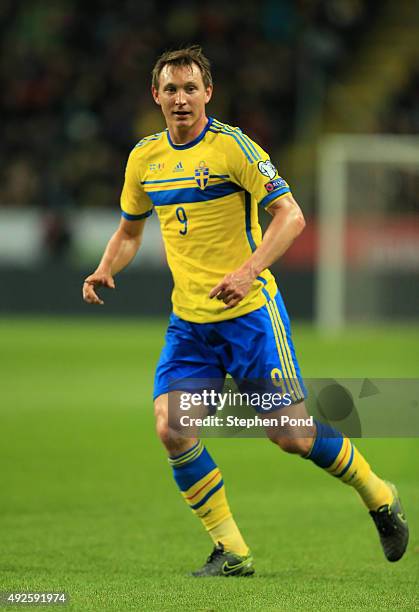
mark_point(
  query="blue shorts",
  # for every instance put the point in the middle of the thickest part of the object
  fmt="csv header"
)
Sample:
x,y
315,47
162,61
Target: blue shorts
x,y
254,347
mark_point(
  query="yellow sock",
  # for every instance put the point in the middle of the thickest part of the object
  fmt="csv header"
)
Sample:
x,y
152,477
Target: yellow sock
x,y
351,468
202,487
229,535
375,492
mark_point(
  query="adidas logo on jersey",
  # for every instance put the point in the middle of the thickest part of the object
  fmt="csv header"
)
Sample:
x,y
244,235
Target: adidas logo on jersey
x,y
178,167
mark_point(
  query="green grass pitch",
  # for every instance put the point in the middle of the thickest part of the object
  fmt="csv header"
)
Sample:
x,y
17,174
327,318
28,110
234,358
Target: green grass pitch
x,y
88,504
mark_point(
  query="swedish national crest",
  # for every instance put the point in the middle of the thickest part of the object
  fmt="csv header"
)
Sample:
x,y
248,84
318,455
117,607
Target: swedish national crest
x,y
202,175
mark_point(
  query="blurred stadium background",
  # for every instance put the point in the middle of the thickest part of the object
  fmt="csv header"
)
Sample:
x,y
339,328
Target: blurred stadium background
x,y
320,84
75,98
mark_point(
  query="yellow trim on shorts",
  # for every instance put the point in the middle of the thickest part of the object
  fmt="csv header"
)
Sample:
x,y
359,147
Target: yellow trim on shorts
x,y
299,392
284,355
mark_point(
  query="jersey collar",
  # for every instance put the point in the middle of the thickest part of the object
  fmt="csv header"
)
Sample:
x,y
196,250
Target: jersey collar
x,y
193,142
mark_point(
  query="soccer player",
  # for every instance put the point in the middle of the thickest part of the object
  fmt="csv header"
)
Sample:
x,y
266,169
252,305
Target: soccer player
x,y
206,181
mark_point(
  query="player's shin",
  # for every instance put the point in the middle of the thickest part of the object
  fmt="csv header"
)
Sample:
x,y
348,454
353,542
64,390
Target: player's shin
x,y
201,484
336,454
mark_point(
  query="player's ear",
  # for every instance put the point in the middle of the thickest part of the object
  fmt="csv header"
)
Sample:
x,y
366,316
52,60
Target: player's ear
x,y
155,94
208,94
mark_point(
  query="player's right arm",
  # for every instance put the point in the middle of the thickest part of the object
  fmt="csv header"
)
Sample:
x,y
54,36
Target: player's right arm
x,y
120,250
124,244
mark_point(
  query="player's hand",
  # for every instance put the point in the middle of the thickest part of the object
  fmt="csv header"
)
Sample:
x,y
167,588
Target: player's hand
x,y
234,287
97,279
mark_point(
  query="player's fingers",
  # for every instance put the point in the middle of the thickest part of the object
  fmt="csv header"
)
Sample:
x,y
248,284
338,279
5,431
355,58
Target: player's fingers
x,y
223,291
216,290
225,295
230,297
85,293
106,281
90,296
233,301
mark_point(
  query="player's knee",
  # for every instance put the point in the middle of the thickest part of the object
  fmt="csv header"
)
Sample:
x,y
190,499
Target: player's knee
x,y
170,437
174,443
162,422
164,431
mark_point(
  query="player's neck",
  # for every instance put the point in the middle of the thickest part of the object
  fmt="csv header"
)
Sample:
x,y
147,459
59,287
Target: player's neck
x,y
182,136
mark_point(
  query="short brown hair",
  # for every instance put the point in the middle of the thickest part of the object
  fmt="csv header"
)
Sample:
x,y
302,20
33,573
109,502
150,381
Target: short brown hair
x,y
183,57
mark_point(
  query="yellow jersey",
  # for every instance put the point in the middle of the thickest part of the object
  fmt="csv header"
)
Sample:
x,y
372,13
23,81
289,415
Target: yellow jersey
x,y
206,194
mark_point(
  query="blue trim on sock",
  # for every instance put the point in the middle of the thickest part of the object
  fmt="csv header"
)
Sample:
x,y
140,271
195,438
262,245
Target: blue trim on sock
x,y
208,495
348,465
188,474
326,446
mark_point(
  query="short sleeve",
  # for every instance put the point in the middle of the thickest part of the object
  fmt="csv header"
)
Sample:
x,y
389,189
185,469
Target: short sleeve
x,y
251,168
135,203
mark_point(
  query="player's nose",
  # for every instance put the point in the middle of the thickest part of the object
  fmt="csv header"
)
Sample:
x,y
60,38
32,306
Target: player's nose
x,y
180,97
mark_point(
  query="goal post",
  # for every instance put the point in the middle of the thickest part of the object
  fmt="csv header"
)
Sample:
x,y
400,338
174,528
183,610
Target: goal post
x,y
368,227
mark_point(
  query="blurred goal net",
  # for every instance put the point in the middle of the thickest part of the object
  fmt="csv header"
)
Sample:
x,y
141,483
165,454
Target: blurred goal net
x,y
368,232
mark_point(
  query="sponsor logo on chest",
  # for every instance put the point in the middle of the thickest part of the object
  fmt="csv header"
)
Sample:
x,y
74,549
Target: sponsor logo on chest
x,y
178,167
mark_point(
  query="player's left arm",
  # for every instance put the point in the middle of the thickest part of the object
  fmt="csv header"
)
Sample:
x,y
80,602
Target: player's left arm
x,y
287,223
